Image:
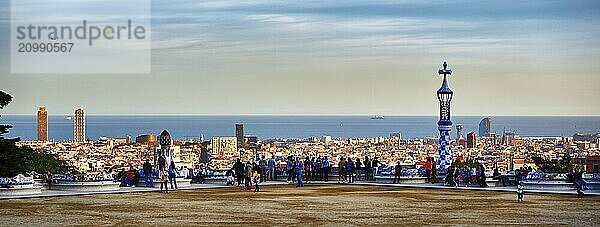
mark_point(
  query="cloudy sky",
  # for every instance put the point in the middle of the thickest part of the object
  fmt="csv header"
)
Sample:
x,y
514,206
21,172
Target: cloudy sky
x,y
341,57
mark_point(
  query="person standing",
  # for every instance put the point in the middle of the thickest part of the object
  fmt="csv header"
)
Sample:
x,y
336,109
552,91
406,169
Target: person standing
x,y
162,164
326,168
428,170
358,165
350,170
520,192
368,168
313,168
375,166
248,176
263,169
482,178
49,180
473,175
342,170
172,174
466,175
434,174
397,172
238,169
299,169
256,180
319,168
148,174
271,169
307,169
290,169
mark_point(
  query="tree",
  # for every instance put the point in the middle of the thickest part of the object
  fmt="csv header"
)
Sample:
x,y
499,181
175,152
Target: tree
x,y
15,160
562,165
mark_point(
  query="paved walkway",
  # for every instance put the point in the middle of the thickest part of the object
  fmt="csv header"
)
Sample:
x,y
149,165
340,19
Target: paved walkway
x,y
56,193
441,186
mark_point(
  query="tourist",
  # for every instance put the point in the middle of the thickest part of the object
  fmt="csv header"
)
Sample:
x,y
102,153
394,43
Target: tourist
x,y
271,168
191,173
129,178
455,177
230,179
428,170
256,180
350,170
375,166
342,170
194,174
523,173
481,175
172,174
299,169
326,169
466,175
49,179
434,175
473,175
162,163
238,169
319,165
520,192
313,169
498,176
359,167
248,175
307,169
368,168
202,175
397,172
148,174
262,164
578,180
290,169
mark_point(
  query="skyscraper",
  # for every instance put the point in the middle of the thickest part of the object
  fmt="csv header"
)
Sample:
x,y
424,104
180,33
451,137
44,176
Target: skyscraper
x,y
471,140
79,125
42,124
239,132
484,127
444,95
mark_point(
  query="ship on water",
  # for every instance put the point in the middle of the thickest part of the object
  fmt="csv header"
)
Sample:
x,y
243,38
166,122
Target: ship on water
x,y
378,117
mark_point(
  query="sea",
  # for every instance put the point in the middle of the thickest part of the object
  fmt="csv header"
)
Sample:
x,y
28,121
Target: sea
x,y
293,127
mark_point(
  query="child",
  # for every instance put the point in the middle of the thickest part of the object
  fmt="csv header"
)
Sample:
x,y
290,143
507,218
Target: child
x,y
256,180
520,192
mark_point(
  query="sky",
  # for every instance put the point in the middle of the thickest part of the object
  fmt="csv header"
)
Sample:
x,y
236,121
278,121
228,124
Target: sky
x,y
340,58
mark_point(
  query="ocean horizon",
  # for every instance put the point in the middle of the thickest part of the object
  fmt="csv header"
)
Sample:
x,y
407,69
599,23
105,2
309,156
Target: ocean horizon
x,y
183,127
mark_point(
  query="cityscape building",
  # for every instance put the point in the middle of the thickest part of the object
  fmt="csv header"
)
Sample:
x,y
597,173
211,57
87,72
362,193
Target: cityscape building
x,y
79,125
42,124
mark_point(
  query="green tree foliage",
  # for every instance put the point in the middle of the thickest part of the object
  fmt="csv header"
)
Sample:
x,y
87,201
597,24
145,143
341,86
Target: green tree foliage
x,y
562,165
15,160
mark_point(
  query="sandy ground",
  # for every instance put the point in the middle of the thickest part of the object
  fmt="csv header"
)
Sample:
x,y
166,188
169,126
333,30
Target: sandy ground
x,y
314,205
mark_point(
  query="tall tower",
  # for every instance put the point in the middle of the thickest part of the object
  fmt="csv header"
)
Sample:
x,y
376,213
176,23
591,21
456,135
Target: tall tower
x,y
239,132
484,127
444,95
42,124
79,125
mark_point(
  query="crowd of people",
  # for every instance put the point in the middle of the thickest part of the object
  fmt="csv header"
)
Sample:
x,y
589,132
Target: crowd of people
x,y
251,174
465,175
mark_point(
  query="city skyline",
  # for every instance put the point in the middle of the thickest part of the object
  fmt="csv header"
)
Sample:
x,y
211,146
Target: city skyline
x,y
351,58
